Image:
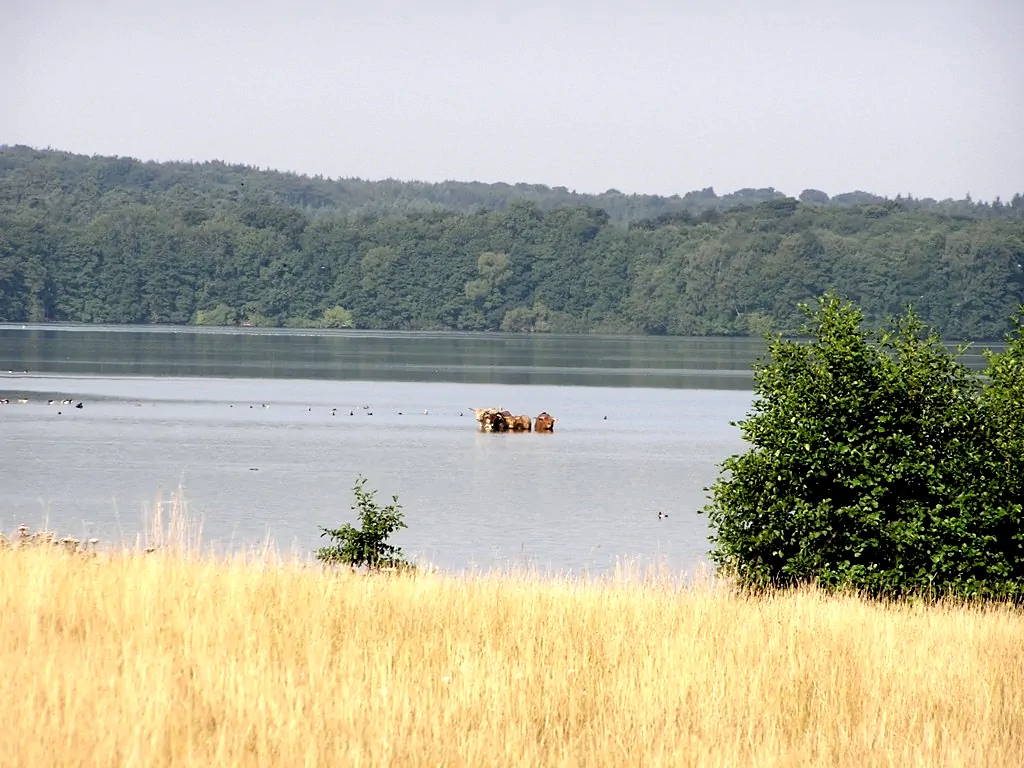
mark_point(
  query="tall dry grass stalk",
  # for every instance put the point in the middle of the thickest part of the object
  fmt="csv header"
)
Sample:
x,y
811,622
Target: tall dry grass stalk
x,y
171,526
151,660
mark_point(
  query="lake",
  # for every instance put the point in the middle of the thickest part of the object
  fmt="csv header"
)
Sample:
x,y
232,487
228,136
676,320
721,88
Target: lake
x,y
266,431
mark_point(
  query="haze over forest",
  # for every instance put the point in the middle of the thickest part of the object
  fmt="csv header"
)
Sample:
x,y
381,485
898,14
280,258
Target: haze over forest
x,y
650,96
116,240
652,167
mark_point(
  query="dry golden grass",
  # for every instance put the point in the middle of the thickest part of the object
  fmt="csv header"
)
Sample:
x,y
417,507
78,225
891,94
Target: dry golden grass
x,y
174,659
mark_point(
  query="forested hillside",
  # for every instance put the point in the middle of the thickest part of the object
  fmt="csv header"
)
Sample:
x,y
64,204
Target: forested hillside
x,y
116,240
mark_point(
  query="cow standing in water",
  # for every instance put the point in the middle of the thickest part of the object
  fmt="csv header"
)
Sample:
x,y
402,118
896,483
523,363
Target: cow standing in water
x,y
544,422
494,420
520,424
491,419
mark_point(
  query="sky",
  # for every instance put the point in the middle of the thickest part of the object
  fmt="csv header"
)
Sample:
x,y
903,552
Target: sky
x,y
897,97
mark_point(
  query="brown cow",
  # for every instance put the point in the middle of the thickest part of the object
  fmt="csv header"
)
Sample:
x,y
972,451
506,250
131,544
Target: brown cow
x,y
544,422
484,415
520,423
480,413
495,420
492,420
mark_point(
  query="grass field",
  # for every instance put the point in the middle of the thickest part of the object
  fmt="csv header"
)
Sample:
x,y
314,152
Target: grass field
x,y
175,659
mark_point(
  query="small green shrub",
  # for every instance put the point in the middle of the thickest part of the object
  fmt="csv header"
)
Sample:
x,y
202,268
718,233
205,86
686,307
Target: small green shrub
x,y
221,314
368,545
877,462
336,317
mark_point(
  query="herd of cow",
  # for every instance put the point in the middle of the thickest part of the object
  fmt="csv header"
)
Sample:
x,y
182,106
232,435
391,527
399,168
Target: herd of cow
x,y
497,420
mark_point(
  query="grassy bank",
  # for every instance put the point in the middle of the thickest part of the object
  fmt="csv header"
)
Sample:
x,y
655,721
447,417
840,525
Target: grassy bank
x,y
159,659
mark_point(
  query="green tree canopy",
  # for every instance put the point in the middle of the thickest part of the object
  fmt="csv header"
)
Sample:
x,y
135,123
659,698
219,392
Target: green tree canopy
x,y
877,461
93,239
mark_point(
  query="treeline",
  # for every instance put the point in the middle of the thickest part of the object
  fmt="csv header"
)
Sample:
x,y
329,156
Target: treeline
x,y
116,240
86,181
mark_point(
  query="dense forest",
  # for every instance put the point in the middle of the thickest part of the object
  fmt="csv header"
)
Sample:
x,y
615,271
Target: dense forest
x,y
107,239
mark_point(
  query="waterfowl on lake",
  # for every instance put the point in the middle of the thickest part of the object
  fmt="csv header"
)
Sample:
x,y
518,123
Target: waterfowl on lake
x,y
662,515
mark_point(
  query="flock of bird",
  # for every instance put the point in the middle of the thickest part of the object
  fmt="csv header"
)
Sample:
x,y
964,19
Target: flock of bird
x,y
23,400
334,412
79,404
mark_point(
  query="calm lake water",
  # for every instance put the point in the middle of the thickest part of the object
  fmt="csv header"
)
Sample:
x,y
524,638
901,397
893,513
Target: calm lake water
x,y
266,431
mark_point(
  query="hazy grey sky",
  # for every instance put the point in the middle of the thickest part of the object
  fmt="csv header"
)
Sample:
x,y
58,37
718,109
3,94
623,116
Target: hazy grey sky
x,y
662,97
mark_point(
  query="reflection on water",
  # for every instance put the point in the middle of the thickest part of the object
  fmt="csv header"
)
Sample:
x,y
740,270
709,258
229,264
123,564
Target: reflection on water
x,y
617,361
277,456
266,433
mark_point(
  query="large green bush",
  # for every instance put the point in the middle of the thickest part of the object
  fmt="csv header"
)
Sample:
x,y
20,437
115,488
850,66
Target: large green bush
x,y
877,462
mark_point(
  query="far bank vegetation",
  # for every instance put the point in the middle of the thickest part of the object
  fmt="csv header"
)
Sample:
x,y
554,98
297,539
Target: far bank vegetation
x,y
113,240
